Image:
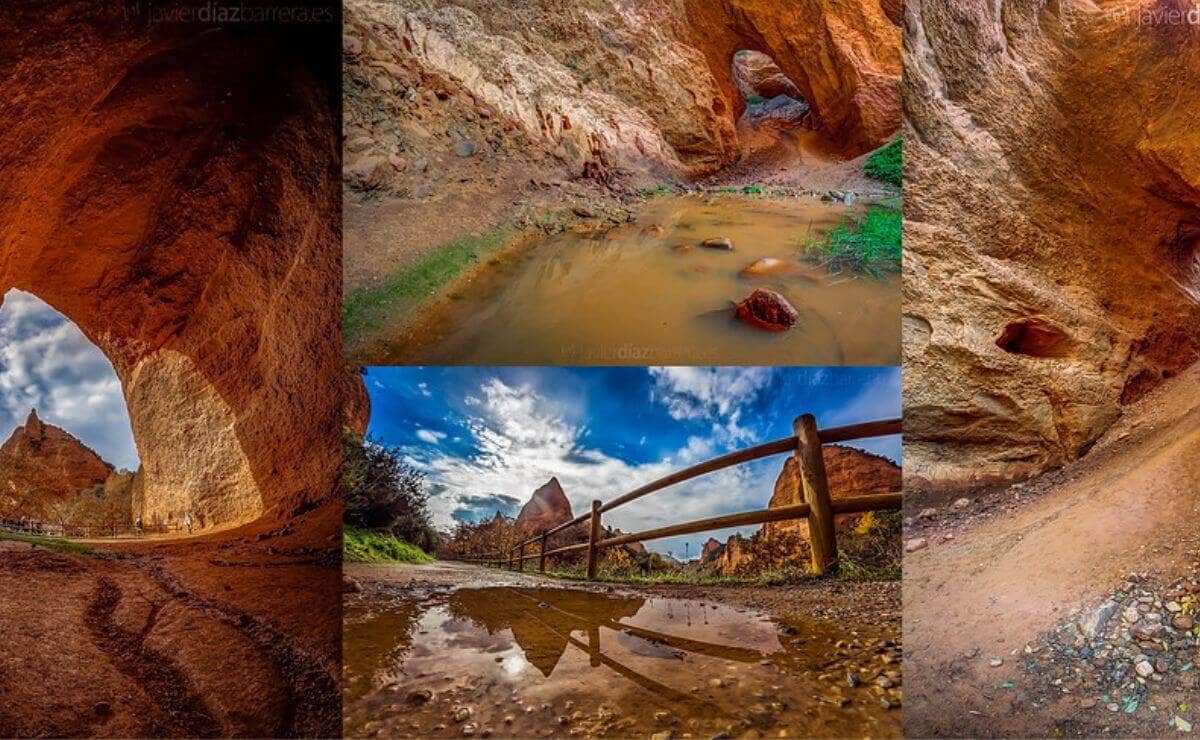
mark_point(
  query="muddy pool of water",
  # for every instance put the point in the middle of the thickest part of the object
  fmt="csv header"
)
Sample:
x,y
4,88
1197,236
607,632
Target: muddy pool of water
x,y
541,662
648,293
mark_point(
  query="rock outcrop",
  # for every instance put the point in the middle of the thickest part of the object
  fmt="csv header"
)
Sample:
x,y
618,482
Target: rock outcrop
x,y
547,507
175,193
617,85
1052,229
850,472
42,468
711,551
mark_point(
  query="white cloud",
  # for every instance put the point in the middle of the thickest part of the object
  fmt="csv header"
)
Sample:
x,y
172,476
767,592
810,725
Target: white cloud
x,y
430,436
48,364
523,438
424,388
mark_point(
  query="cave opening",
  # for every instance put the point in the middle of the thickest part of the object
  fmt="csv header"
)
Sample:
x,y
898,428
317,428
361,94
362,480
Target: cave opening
x,y
68,462
100,446
771,98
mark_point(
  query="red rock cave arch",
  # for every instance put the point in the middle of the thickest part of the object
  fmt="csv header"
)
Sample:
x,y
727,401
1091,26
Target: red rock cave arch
x,y
845,60
178,202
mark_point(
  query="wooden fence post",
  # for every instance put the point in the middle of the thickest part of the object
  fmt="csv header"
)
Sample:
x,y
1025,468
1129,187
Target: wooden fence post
x,y
521,559
542,557
592,540
811,464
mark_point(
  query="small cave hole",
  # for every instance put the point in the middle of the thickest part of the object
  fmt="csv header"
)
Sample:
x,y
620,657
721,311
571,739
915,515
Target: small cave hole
x,y
1034,337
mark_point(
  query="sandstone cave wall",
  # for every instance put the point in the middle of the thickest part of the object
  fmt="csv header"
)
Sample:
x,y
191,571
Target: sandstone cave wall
x,y
1052,188
647,83
173,190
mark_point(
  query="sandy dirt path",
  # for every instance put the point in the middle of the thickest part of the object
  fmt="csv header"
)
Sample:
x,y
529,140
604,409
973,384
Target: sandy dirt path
x,y
235,634
987,587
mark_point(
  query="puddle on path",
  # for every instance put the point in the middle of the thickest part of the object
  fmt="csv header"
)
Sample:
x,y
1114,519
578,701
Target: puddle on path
x,y
535,662
629,296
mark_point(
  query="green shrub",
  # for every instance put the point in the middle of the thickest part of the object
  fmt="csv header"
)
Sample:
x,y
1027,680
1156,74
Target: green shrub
x,y
365,546
869,245
887,164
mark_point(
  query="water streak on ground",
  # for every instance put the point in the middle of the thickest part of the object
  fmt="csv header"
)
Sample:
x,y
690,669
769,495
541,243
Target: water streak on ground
x,y
546,661
647,292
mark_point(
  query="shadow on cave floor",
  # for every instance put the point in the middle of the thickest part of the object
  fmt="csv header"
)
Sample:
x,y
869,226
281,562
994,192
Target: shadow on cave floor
x,y
531,660
227,634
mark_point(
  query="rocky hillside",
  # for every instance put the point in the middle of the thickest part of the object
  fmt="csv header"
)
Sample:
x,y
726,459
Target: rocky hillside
x,y
1052,229
42,468
850,472
546,508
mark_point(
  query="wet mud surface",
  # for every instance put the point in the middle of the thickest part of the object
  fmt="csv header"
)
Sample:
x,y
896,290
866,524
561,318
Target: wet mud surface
x,y
536,660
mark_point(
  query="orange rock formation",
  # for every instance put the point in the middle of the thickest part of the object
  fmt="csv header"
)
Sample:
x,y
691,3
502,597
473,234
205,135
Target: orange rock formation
x,y
43,467
850,472
1052,227
177,200
546,508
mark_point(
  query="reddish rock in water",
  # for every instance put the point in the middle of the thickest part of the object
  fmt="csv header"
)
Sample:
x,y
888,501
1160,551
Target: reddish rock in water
x,y
850,472
772,267
768,310
548,507
721,242
41,467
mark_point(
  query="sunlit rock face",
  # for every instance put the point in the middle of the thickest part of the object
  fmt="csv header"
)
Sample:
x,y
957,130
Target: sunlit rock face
x,y
546,508
645,85
1052,196
172,189
849,471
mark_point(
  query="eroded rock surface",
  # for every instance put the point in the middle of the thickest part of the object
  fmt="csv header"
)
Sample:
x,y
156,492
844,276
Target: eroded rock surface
x,y
647,85
850,472
547,507
174,192
1052,198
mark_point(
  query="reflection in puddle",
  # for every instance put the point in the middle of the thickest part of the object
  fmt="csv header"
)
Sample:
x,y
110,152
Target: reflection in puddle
x,y
646,293
529,662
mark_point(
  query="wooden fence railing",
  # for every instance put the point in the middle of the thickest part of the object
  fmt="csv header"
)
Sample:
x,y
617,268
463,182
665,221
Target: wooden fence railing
x,y
818,507
86,531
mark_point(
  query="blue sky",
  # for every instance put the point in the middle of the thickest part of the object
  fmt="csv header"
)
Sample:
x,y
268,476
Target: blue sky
x,y
487,437
48,364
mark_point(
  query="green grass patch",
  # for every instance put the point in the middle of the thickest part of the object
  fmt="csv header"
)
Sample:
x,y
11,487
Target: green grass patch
x,y
656,192
366,307
867,244
365,546
755,99
887,164
57,544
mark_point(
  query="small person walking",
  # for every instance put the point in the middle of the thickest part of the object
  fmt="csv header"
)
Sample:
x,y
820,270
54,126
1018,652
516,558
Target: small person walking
x,y
137,526
187,521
